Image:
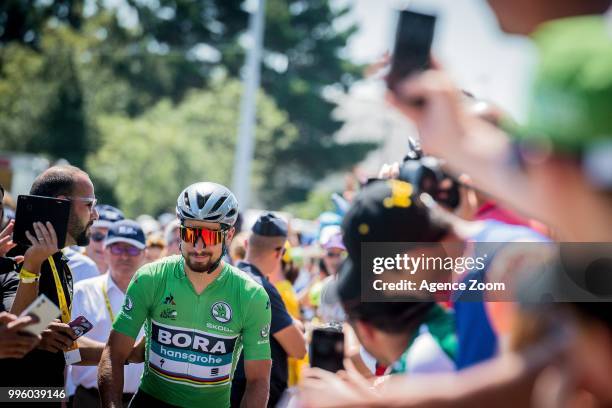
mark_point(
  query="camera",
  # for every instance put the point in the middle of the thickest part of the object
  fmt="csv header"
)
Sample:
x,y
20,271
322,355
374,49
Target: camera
x,y
327,348
426,175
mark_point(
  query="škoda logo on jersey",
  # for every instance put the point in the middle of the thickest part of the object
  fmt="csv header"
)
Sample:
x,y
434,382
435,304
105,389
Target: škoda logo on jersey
x,y
192,340
221,311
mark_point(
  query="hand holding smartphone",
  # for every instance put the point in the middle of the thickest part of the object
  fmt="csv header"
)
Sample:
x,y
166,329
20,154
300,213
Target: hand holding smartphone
x,y
79,327
42,309
412,49
14,341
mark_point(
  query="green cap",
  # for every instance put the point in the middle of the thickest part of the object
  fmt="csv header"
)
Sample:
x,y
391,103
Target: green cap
x,y
571,104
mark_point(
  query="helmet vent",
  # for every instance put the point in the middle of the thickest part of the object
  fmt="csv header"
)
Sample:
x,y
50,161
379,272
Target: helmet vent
x,y
218,204
202,200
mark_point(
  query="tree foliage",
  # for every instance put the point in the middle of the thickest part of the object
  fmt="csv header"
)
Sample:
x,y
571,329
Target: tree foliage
x,y
42,108
79,86
24,21
171,146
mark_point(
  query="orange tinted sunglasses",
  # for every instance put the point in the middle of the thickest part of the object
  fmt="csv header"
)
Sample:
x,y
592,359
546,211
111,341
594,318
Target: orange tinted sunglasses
x,y
209,237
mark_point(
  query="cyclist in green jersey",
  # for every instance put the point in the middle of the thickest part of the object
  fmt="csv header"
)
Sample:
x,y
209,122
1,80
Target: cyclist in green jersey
x,y
199,313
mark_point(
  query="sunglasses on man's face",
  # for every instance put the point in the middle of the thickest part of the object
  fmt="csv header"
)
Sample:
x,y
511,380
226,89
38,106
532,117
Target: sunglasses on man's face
x,y
336,254
209,237
127,250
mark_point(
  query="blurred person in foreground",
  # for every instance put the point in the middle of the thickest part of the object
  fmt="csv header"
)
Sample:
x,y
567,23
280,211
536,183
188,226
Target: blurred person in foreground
x,y
408,337
265,249
583,380
380,213
506,381
564,150
561,356
477,334
124,247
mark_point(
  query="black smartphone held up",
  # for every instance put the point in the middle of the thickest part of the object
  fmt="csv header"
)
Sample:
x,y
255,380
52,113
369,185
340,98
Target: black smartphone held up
x,y
31,209
411,53
327,349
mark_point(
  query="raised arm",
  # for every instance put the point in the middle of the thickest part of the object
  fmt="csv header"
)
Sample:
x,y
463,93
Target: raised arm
x,y
44,244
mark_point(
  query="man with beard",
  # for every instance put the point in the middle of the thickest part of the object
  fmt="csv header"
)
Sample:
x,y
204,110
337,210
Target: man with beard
x,y
45,271
92,262
200,313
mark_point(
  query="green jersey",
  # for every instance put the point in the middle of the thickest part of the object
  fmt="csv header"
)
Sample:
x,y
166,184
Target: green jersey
x,y
433,348
194,341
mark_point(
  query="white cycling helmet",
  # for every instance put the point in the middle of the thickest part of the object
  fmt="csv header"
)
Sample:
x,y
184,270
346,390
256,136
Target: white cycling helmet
x,y
209,202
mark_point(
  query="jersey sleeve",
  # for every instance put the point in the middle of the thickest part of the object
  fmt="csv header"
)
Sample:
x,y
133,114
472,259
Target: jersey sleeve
x,y
137,303
256,331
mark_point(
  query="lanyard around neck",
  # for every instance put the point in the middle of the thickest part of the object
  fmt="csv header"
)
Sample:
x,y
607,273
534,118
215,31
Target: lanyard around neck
x,y
108,303
61,296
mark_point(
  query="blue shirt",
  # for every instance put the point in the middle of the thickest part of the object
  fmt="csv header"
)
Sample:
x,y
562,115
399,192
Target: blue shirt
x,y
477,341
280,320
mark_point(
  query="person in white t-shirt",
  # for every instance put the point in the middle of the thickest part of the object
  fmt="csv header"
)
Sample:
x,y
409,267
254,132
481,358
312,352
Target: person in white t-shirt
x,y
100,299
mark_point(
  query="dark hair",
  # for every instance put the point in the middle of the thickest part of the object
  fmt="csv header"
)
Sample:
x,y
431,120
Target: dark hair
x,y
2,190
389,317
55,181
290,271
